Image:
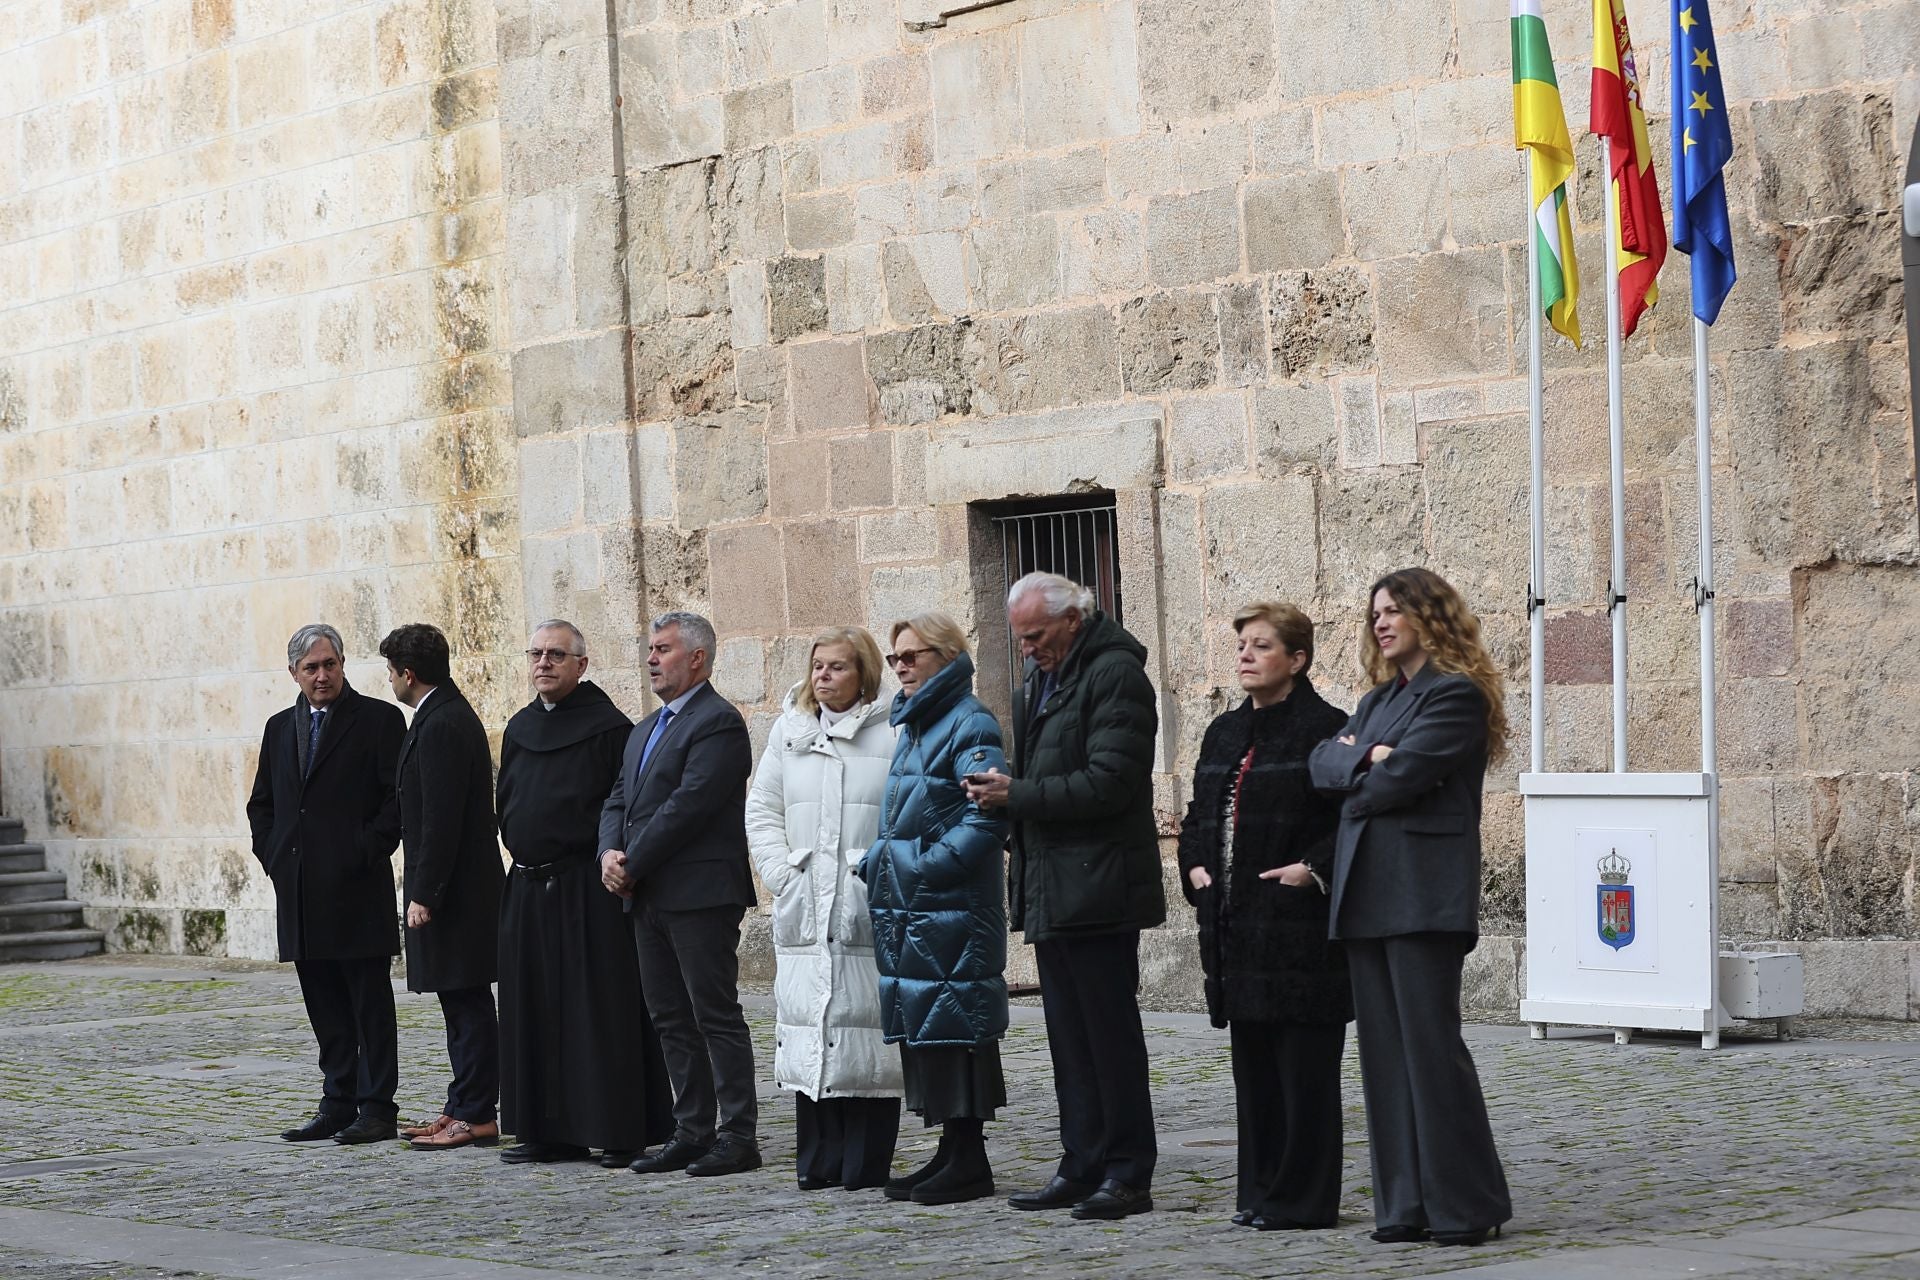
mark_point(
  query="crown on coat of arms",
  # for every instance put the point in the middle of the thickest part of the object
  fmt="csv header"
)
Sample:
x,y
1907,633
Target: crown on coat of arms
x,y
1613,868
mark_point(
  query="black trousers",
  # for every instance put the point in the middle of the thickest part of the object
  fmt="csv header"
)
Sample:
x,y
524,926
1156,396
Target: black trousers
x,y
847,1141
1089,989
1286,1090
1434,1162
473,1048
690,975
350,1004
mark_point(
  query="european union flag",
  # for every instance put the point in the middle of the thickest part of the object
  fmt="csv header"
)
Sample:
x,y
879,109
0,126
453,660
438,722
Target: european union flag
x,y
1702,145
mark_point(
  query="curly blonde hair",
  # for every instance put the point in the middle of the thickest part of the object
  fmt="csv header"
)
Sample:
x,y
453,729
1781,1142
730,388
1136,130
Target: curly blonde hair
x,y
1449,633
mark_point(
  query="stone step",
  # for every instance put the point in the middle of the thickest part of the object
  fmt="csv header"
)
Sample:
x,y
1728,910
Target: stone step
x,y
51,944
12,830
32,886
37,917
22,857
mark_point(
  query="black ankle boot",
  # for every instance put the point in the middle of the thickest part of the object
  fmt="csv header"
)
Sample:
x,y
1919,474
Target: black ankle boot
x,y
967,1175
902,1188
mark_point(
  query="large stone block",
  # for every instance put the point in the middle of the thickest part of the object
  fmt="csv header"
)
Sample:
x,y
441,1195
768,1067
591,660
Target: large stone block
x,y
823,572
749,579
1823,155
1842,277
719,469
549,485
1294,222
899,535
1367,130
1192,239
1442,316
855,298
565,385
1243,334
976,97
757,116
1370,523
797,296
1198,57
1018,263
1079,77
1321,322
1169,342
1859,691
924,373
829,385
682,366
1206,437
1049,359
1335,49
1103,252
1261,540
1294,426
926,277
1397,208
861,471
1071,451
1477,485
744,205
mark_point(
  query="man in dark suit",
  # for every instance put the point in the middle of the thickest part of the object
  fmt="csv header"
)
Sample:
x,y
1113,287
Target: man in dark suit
x,y
325,823
674,841
453,879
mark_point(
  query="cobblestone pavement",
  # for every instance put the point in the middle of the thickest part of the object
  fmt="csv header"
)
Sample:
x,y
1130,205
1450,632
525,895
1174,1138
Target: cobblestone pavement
x,y
138,1104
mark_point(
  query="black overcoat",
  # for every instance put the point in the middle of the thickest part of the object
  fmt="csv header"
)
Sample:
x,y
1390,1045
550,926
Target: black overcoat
x,y
1407,856
453,864
327,839
1263,944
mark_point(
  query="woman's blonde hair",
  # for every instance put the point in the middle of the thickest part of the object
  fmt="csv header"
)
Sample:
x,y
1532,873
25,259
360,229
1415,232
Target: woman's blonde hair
x,y
937,627
866,659
1449,633
1294,627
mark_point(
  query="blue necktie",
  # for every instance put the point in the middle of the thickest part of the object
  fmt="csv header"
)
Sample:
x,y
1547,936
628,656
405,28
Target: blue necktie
x,y
653,740
313,738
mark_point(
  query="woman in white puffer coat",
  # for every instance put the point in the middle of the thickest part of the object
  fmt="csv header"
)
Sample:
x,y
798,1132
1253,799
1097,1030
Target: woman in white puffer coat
x,y
812,814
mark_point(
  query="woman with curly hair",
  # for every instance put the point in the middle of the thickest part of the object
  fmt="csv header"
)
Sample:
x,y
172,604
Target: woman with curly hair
x,y
1406,904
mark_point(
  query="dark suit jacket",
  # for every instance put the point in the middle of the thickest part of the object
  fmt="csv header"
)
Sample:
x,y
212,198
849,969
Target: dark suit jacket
x,y
453,865
683,823
1407,856
327,839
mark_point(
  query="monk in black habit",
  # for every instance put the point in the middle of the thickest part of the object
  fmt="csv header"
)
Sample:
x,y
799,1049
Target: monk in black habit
x,y
580,1065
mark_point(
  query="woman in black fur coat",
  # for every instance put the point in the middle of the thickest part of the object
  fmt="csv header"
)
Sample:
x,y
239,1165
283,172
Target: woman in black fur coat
x,y
1255,853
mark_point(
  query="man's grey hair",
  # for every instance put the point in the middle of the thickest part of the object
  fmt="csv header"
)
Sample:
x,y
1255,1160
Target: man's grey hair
x,y
694,629
1056,594
308,636
561,624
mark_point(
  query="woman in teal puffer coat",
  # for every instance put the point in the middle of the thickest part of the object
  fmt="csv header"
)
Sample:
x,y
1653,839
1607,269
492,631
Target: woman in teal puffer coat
x,y
935,890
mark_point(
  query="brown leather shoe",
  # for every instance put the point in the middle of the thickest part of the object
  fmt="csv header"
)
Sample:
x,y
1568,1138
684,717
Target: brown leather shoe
x,y
428,1129
459,1133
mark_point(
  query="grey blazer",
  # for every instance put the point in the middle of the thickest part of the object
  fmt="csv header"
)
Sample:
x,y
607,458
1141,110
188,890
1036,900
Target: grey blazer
x,y
1407,855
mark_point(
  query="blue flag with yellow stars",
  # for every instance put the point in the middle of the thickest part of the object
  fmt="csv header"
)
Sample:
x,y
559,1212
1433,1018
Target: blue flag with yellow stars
x,y
1702,145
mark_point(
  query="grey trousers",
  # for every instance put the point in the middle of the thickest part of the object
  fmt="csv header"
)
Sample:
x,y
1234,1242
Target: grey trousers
x,y
690,975
1434,1163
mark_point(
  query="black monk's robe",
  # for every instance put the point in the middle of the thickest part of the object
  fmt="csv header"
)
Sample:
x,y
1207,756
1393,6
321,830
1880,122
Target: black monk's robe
x,y
579,1061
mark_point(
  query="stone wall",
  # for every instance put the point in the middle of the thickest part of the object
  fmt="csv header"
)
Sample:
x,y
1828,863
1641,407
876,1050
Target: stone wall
x,y
250,375
789,289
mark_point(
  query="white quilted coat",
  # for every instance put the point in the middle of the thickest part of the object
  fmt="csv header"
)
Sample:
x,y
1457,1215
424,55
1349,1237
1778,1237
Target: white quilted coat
x,y
812,814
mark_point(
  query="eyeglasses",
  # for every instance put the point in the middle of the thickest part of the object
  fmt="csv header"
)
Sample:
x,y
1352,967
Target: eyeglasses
x,y
555,656
906,658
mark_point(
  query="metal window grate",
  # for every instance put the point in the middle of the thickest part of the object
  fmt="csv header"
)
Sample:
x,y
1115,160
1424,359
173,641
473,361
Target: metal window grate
x,y
1073,537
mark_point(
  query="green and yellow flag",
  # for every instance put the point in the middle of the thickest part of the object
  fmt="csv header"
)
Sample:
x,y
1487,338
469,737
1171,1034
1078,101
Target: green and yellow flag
x,y
1540,123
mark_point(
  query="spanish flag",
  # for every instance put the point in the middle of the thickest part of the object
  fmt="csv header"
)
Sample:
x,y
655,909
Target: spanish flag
x,y
1618,117
1540,123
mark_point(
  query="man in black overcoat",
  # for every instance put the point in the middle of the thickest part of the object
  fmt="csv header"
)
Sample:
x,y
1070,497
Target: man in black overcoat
x,y
453,878
325,823
673,841
580,1066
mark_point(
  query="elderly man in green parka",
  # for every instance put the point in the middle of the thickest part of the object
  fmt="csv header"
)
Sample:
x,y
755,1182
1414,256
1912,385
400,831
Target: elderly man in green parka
x,y
1084,881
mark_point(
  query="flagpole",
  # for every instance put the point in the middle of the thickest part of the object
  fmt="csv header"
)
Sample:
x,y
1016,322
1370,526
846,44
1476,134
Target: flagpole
x,y
1616,443
1536,429
1703,589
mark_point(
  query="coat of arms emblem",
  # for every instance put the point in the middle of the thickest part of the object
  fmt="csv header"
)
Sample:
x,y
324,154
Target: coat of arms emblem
x,y
1615,900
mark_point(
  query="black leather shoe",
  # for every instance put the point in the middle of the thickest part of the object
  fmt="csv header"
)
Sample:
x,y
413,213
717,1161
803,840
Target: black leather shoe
x,y
672,1158
543,1153
1245,1218
1479,1235
323,1125
1285,1224
1400,1235
1114,1199
816,1184
1057,1194
729,1155
367,1129
612,1159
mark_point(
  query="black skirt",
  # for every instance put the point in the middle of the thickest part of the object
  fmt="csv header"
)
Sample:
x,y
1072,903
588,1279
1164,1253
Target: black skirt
x,y
953,1081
